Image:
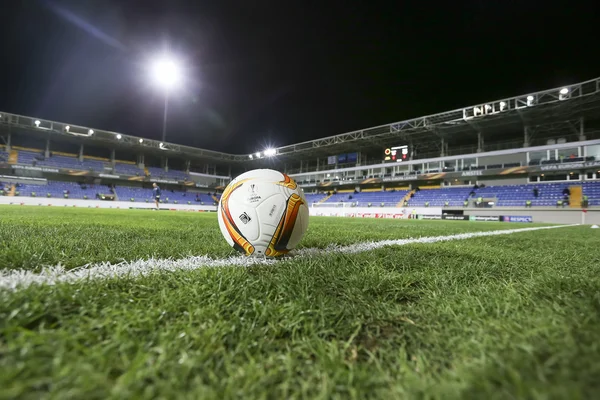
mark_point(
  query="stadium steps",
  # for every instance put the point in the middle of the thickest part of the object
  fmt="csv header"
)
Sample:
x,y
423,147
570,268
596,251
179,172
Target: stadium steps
x,y
13,189
576,195
13,157
324,199
405,198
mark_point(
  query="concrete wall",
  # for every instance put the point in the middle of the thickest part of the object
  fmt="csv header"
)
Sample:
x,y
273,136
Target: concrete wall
x,y
400,212
503,159
544,214
43,201
502,182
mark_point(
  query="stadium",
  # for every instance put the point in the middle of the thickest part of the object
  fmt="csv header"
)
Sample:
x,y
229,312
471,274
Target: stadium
x,y
447,254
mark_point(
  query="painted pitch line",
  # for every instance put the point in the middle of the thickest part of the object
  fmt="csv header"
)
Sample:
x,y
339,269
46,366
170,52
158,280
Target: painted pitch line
x,y
19,279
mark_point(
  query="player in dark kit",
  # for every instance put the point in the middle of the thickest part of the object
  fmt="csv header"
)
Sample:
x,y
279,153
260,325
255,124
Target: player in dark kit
x,y
156,194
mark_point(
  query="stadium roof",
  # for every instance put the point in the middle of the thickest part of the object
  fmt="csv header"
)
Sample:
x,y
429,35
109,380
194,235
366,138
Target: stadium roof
x,y
494,118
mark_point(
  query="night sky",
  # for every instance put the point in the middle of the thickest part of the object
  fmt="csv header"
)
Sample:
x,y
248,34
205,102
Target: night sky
x,y
262,73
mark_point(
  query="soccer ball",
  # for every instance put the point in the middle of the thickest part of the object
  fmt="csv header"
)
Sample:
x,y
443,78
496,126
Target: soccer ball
x,y
263,213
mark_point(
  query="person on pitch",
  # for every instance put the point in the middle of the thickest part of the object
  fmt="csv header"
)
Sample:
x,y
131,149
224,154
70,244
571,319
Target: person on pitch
x,y
156,194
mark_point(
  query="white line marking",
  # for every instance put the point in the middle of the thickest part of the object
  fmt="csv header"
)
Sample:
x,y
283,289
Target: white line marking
x,y
20,279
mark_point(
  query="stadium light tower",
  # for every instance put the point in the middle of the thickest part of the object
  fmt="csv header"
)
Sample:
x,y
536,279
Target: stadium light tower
x,y
166,73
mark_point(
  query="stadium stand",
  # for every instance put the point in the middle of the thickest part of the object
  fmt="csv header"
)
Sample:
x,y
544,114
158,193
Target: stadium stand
x,y
504,195
71,162
455,196
59,189
127,169
518,195
59,161
74,190
389,198
172,174
126,193
314,197
592,190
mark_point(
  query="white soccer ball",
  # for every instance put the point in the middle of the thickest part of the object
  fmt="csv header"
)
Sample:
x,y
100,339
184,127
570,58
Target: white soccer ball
x,y
263,213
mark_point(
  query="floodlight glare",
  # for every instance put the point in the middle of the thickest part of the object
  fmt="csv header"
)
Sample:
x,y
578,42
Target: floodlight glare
x,y
91,132
119,136
166,72
564,90
250,156
37,122
141,140
67,128
270,152
258,154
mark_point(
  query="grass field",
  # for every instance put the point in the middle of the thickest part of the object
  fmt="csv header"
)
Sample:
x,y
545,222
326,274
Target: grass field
x,y
507,316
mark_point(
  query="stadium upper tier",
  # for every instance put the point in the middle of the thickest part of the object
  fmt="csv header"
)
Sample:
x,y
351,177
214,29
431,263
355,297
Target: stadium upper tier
x,y
87,164
59,161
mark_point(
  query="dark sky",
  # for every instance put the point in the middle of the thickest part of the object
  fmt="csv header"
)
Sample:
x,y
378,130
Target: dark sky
x,y
278,72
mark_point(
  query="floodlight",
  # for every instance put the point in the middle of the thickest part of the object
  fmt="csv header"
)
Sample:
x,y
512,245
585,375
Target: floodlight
x,y
250,156
258,154
166,72
67,128
270,152
91,132
37,123
119,136
564,90
141,140
161,144
529,100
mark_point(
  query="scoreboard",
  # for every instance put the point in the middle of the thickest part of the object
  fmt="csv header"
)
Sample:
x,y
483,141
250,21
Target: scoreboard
x,y
396,154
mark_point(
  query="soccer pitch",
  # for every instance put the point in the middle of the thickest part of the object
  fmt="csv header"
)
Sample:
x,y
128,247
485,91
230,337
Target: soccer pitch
x,y
471,313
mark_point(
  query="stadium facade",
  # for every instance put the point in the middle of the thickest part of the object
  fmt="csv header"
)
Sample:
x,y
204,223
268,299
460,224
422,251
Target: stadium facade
x,y
548,136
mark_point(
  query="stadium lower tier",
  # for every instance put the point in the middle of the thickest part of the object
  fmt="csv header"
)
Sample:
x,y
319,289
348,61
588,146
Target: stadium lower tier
x,y
548,195
72,190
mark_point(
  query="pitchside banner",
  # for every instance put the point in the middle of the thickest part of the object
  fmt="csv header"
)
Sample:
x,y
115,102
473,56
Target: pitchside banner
x,y
517,218
430,217
455,217
486,218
